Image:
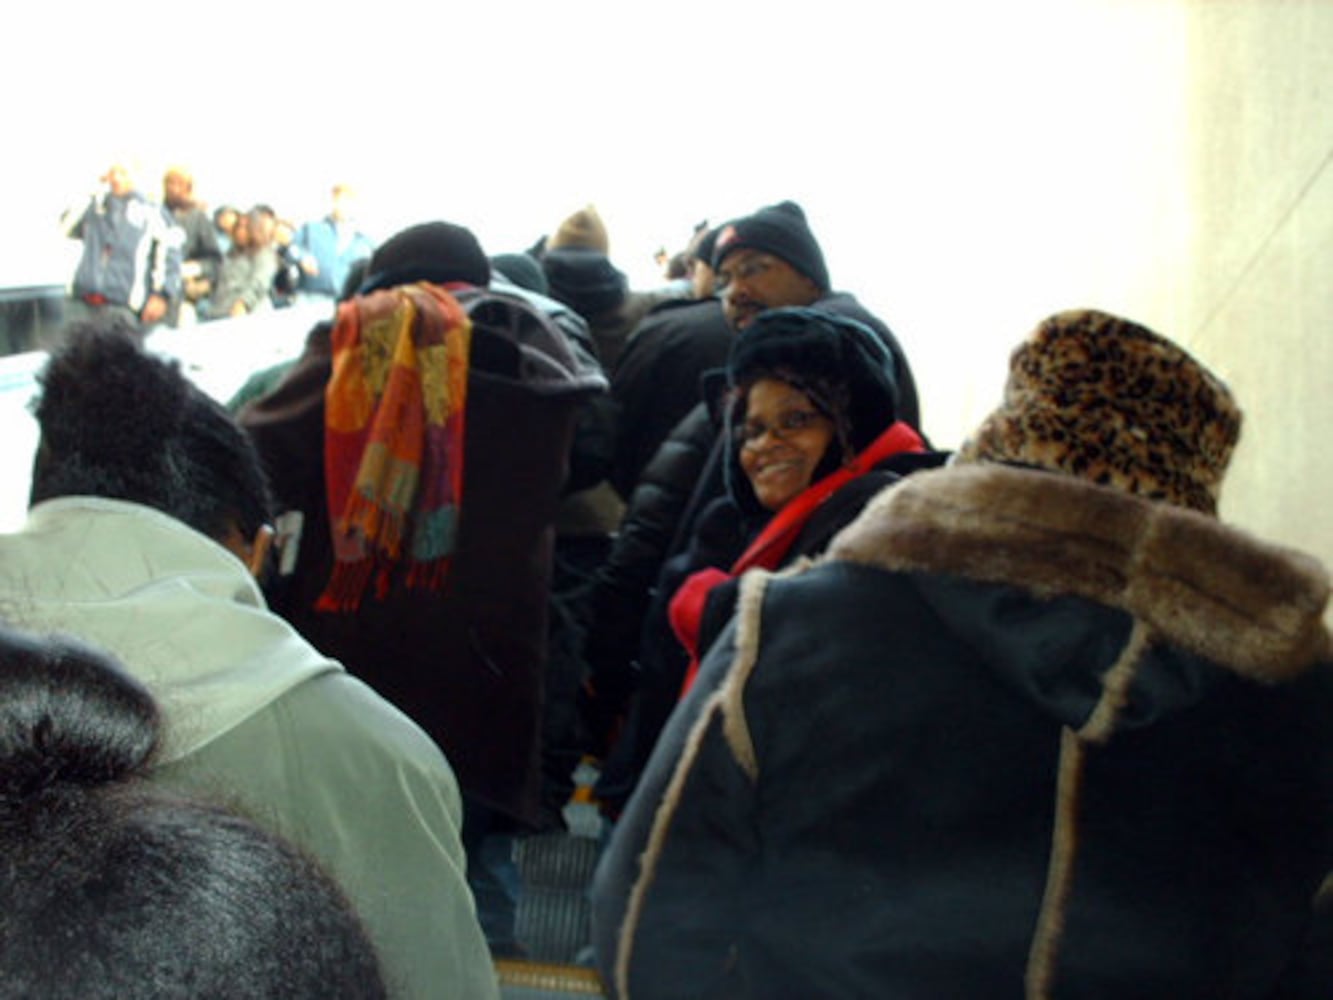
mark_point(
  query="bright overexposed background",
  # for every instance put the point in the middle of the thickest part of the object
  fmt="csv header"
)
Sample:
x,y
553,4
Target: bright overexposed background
x,y
968,166
965,165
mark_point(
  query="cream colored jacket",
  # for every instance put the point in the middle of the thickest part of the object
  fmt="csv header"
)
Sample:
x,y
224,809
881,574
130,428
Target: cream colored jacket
x,y
259,719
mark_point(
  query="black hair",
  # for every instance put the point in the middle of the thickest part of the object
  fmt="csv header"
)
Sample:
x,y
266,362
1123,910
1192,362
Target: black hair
x,y
114,888
678,266
118,422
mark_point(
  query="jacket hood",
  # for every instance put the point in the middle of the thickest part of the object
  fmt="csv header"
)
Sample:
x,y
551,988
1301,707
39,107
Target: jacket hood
x,y
1112,610
584,280
181,612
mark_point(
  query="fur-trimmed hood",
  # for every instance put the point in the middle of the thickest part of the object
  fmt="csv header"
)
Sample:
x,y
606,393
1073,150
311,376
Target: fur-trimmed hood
x,y
846,744
1073,553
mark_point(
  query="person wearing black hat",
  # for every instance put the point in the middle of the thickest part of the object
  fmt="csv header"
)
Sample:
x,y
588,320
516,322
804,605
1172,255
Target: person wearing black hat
x,y
765,260
521,269
770,259
460,644
579,272
810,410
1037,724
441,253
812,433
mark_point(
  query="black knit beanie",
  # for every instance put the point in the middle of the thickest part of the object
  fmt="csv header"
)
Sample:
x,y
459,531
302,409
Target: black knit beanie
x,y
778,229
839,363
438,252
584,280
523,270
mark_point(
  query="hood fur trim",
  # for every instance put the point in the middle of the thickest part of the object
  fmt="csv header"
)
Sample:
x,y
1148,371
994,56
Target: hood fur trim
x,y
1251,606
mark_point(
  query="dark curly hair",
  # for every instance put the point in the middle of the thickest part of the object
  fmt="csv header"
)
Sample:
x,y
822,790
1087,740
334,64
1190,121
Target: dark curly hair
x,y
118,422
115,888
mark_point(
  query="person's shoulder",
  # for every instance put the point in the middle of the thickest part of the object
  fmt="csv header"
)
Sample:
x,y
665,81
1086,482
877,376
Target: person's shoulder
x,y
657,325
341,713
645,300
680,320
846,304
668,305
673,312
661,314
830,596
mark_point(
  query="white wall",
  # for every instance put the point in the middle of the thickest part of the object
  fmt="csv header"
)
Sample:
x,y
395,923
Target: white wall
x,y
1260,298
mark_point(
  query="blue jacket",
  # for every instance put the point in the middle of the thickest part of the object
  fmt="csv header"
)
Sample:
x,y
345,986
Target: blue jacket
x,y
321,241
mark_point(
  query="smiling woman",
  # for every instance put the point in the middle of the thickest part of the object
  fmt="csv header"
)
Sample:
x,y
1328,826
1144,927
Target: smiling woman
x,y
1036,724
813,401
784,438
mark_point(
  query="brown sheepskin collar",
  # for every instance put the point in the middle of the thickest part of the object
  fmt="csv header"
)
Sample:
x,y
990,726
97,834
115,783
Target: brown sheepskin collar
x,y
1253,607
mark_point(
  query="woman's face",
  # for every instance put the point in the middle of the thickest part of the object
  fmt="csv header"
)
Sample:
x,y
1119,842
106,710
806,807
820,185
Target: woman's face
x,y
782,440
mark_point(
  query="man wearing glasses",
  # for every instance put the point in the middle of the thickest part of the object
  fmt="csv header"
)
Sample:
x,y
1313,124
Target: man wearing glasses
x,y
771,259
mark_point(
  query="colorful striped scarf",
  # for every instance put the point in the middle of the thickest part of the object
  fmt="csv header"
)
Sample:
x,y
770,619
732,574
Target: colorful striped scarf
x,y
393,439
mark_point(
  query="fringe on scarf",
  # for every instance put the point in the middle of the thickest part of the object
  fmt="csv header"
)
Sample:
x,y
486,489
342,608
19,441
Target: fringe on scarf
x,y
393,445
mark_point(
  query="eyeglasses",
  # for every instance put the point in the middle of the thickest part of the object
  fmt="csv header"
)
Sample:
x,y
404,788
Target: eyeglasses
x,y
792,422
744,270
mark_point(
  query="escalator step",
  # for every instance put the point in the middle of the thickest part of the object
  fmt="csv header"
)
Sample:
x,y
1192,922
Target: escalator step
x,y
522,980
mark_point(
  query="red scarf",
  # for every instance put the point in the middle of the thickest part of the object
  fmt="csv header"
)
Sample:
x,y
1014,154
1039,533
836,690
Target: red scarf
x,y
770,547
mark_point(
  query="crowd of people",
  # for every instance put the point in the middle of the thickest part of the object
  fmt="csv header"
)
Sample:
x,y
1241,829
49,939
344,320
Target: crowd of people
x,y
173,261
871,718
